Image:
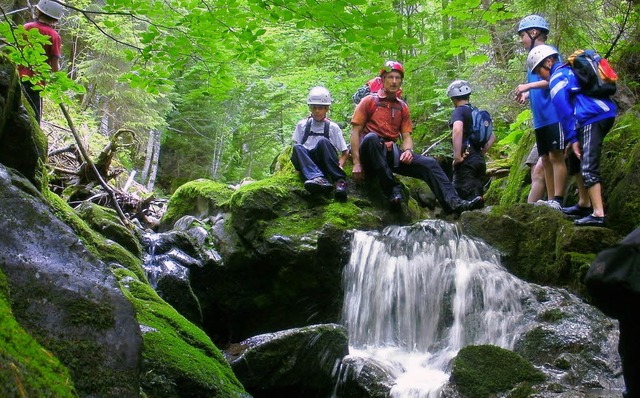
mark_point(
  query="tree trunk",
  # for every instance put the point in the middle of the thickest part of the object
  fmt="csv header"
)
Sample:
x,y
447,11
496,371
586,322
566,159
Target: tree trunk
x,y
154,160
147,159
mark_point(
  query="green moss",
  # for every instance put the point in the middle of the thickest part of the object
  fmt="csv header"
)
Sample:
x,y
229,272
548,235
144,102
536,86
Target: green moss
x,y
82,311
336,214
522,391
26,368
552,316
271,190
104,249
516,189
188,198
106,222
175,349
481,371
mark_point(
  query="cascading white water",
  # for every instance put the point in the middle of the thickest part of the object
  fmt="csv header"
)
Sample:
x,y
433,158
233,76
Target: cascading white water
x,y
414,296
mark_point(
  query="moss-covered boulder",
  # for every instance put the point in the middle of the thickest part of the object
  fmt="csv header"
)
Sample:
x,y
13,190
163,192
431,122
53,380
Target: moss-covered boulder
x,y
515,188
86,300
27,369
282,250
106,222
197,198
539,244
621,172
483,371
65,297
23,145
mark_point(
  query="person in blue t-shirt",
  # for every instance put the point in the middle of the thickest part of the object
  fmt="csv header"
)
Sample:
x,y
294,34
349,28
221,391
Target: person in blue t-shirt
x,y
586,121
550,140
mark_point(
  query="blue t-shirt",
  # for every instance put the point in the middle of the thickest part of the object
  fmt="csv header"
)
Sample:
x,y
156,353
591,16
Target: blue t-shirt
x,y
541,107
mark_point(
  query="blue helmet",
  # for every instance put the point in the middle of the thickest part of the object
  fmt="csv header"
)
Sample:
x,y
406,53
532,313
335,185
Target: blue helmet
x,y
533,21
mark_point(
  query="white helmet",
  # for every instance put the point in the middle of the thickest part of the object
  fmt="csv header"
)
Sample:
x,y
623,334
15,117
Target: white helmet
x,y
50,8
539,54
319,96
458,88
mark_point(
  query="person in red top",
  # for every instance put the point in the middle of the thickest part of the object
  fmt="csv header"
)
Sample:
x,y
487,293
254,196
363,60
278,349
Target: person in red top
x,y
378,122
48,13
372,86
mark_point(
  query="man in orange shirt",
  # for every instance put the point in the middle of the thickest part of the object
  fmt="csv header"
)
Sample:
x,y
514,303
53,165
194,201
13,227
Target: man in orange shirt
x,y
48,14
379,121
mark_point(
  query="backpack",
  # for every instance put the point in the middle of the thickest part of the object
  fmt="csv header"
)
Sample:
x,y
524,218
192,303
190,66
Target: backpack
x,y
308,132
594,74
371,87
613,281
482,127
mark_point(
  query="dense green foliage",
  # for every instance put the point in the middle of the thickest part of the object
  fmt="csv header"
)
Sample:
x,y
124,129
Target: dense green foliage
x,y
225,81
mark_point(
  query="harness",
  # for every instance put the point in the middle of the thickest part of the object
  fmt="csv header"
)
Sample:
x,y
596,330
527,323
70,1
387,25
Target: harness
x,y
308,132
394,106
384,103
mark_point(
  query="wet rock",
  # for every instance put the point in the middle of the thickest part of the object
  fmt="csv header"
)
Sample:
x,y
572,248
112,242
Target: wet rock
x,y
364,377
290,363
67,298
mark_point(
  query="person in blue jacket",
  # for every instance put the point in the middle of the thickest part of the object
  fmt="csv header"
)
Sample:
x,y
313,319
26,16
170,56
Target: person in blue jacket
x,y
585,121
550,140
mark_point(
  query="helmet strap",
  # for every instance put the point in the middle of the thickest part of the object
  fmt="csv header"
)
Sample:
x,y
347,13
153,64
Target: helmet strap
x,y
532,38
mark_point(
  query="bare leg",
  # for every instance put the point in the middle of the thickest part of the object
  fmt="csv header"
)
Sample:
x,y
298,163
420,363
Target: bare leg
x,y
537,182
559,167
548,176
584,199
595,194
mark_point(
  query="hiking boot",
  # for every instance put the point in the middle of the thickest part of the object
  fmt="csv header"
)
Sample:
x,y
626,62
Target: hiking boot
x,y
341,190
590,221
318,185
549,203
473,204
396,199
577,211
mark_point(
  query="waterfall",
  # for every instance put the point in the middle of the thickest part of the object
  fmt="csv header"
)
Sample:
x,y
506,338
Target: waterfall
x,y
414,296
158,265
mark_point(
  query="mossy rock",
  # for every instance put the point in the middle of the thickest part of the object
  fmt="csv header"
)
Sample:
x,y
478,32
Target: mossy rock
x,y
179,359
26,368
483,371
106,222
515,188
198,198
621,173
23,145
539,244
103,248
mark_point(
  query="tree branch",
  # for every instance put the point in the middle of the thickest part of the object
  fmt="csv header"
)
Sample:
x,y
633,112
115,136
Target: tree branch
x,y
87,159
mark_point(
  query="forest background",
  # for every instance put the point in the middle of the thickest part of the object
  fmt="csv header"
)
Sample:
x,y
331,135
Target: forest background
x,y
214,88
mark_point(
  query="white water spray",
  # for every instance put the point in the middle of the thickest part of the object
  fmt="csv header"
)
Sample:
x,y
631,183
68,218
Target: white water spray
x,y
414,296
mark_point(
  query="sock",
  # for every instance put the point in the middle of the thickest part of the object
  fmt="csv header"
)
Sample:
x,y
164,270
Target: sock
x,y
558,199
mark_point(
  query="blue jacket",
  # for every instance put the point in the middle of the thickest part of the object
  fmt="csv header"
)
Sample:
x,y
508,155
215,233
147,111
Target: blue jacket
x,y
541,106
574,108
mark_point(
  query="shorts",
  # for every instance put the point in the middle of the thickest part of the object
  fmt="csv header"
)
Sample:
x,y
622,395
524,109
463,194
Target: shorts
x,y
550,138
532,159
